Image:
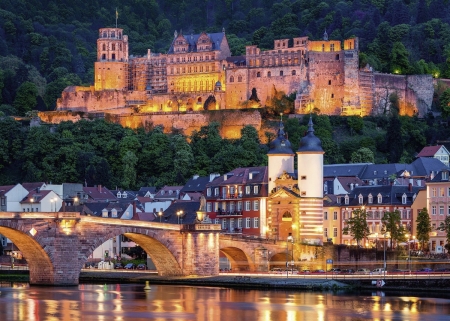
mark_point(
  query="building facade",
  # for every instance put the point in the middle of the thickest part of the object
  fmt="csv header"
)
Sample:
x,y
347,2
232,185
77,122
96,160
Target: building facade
x,y
199,73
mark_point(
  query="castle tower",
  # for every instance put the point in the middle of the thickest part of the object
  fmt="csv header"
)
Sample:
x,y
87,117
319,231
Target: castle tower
x,y
310,184
111,67
281,157
351,78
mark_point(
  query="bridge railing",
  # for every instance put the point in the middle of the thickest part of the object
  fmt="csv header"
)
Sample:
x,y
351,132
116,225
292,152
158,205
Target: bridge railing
x,y
250,238
201,227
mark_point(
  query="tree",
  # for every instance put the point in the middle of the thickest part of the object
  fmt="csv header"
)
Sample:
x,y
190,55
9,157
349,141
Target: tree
x,y
394,139
445,227
26,97
392,224
423,227
399,59
362,155
444,103
356,225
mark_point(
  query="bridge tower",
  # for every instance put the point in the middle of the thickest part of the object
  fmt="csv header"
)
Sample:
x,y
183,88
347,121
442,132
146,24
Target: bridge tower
x,y
310,184
281,157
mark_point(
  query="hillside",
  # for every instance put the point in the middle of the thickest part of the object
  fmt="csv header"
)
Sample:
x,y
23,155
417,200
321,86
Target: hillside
x,y
48,45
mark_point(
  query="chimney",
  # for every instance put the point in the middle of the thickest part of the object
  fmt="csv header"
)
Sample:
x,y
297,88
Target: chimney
x,y
351,186
195,176
149,53
432,175
213,176
99,187
410,187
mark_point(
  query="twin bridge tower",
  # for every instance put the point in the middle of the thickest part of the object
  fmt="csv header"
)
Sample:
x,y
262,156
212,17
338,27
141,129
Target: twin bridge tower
x,y
57,245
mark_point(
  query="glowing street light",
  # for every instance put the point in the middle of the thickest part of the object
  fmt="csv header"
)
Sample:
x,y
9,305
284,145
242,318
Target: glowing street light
x,y
179,213
160,216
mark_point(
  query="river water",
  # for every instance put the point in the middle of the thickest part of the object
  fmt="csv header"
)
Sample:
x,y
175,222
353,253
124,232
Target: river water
x,y
130,302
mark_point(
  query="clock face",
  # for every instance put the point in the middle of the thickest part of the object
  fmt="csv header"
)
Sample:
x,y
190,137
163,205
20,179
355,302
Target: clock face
x,y
283,143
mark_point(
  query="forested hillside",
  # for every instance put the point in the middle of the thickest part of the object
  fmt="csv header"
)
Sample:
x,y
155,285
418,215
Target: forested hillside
x,y
48,45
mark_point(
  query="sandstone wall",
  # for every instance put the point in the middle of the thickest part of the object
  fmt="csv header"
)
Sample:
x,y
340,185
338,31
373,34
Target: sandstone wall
x,y
231,121
415,93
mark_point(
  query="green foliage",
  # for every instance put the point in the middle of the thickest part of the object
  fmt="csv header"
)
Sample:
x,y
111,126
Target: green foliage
x,y
25,98
392,225
445,103
362,155
423,227
445,227
356,226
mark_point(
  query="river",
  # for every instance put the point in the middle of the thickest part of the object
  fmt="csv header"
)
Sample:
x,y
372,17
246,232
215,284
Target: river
x,y
130,302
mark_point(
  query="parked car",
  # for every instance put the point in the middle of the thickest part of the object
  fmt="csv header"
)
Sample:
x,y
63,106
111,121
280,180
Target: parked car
x,y
141,266
379,271
318,271
118,266
362,271
425,270
276,270
348,271
130,266
335,271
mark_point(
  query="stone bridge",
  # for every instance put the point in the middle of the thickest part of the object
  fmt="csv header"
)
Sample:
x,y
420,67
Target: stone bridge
x,y
57,245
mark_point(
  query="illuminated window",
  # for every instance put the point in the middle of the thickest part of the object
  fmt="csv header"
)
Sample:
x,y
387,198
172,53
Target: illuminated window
x,y
332,47
323,47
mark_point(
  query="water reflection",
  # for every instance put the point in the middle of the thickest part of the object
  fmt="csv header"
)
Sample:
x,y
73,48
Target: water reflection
x,y
127,302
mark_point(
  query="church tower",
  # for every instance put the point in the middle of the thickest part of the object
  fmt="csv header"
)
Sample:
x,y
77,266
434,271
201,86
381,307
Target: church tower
x,y
310,184
281,157
111,67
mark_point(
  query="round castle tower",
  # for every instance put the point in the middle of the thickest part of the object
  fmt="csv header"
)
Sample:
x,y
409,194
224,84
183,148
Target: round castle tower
x,y
111,66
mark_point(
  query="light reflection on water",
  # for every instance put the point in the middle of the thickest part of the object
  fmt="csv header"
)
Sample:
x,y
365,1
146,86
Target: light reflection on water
x,y
126,302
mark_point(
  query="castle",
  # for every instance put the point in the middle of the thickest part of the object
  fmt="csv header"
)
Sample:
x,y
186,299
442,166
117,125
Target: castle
x,y
199,73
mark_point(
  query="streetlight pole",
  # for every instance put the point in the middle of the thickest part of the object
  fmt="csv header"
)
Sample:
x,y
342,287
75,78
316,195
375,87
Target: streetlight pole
x,y
160,216
376,246
289,239
383,231
179,213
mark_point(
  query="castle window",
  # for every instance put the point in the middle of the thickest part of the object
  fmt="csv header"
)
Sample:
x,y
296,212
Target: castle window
x,y
323,47
239,78
332,95
113,56
104,34
329,82
258,74
332,47
104,47
269,74
337,57
113,47
281,72
113,34
103,57
231,79
294,72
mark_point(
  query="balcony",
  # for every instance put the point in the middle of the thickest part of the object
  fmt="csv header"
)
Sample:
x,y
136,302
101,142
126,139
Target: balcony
x,y
229,213
229,196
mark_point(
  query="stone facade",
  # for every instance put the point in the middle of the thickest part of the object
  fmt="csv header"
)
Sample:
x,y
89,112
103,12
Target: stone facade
x,y
199,73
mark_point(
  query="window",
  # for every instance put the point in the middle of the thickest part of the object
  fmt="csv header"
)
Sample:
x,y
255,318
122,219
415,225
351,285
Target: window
x,y
224,192
255,222
281,72
255,189
325,232
258,74
433,210
247,205
332,47
239,78
346,199
335,232
231,224
232,190
239,223
3,201
441,192
231,79
224,223
231,206
445,174
247,190
334,216
448,210
329,82
303,178
325,216
216,206
360,199
404,199
208,206
247,222
208,191
380,199
370,199
256,205
433,192
441,209
239,206
269,74
216,191
294,72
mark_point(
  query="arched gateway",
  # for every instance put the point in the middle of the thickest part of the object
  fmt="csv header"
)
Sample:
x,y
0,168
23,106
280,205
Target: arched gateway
x,y
57,245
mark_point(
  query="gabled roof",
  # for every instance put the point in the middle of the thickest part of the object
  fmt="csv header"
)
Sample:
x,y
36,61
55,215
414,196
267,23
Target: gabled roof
x,y
391,195
342,170
35,196
429,151
189,215
439,178
5,189
242,176
170,192
347,181
379,171
216,40
425,165
283,191
33,186
196,184
99,193
144,190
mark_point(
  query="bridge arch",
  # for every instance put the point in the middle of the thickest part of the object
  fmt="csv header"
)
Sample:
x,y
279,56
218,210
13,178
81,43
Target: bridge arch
x,y
239,259
40,263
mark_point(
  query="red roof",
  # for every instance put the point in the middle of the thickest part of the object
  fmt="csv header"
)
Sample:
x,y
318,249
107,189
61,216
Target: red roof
x,y
36,196
5,189
429,151
32,186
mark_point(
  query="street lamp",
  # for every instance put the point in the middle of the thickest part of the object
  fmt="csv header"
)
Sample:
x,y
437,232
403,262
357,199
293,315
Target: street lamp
x,y
160,216
383,231
179,213
290,239
32,200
